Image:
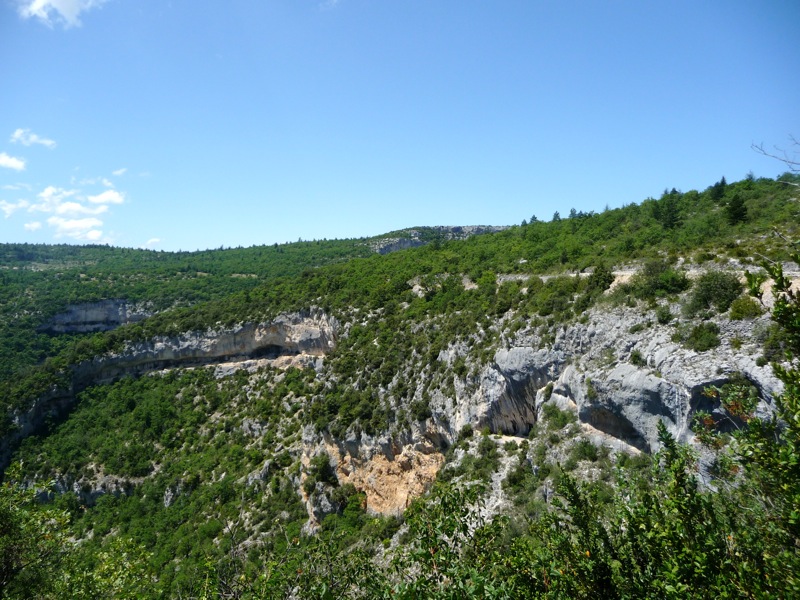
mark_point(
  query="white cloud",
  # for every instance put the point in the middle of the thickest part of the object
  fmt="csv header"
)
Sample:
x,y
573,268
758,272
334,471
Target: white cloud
x,y
68,212
78,229
17,186
119,172
11,162
51,198
9,208
104,181
27,138
48,12
107,197
74,209
152,242
73,215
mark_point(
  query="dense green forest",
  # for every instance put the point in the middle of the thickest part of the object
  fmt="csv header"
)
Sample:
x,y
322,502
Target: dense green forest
x,y
201,472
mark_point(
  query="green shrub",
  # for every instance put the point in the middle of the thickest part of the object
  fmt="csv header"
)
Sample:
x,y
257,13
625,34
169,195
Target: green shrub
x,y
639,327
555,417
466,432
657,278
584,450
420,410
663,314
775,340
745,307
703,337
601,278
717,289
637,359
320,468
591,392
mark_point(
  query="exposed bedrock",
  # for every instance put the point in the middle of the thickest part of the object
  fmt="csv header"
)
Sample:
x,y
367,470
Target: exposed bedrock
x,y
391,470
87,317
591,368
309,334
505,399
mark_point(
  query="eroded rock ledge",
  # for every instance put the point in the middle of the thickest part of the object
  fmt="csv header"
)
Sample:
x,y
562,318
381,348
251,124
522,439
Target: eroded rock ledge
x,y
89,317
310,333
307,336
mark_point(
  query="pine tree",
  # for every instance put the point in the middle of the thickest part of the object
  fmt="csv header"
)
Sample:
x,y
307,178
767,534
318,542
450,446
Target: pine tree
x,y
736,211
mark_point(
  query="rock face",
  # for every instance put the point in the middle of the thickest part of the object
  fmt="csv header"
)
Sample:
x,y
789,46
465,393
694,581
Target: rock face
x,y
303,337
588,367
88,490
412,238
591,371
309,333
506,398
390,470
94,316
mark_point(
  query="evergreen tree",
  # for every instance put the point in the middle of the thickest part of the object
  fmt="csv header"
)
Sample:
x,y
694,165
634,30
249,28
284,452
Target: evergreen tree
x,y
717,190
736,211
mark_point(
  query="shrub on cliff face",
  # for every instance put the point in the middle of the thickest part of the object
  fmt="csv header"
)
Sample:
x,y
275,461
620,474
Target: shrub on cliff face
x,y
704,336
715,289
699,338
657,278
745,307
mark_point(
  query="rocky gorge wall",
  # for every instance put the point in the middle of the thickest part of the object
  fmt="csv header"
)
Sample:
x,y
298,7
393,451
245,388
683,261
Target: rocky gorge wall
x,y
304,336
592,372
89,317
587,368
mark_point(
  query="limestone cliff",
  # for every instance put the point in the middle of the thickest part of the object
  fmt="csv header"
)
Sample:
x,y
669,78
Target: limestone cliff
x,y
587,368
589,365
307,336
413,238
88,317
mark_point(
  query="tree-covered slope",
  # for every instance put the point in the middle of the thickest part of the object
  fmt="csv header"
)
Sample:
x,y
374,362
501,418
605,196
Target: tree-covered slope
x,y
204,481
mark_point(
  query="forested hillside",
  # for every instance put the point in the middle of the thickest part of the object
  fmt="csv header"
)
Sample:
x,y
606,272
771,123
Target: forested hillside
x,y
601,404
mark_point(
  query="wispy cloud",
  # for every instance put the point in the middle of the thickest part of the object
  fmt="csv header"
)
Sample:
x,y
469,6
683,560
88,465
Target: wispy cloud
x,y
104,181
119,172
27,138
9,208
78,229
50,198
329,4
17,186
11,162
75,212
74,209
152,242
50,12
107,197
72,215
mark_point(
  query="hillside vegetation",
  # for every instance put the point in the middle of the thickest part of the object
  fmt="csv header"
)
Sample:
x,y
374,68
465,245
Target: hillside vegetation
x,y
199,481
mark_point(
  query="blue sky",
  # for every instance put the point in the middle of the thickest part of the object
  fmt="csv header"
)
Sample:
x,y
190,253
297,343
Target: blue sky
x,y
190,125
